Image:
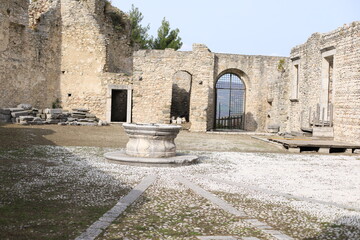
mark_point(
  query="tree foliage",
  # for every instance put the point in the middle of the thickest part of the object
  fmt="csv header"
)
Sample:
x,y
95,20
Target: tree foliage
x,y
139,33
166,38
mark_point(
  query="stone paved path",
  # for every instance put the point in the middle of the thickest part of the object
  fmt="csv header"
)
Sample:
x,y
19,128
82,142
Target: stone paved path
x,y
104,222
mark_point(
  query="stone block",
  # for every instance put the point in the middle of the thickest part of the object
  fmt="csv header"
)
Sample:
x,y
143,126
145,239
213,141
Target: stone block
x,y
5,111
52,121
23,122
78,116
82,110
327,132
89,115
273,128
349,150
26,118
16,109
5,117
41,115
87,124
53,110
324,150
18,114
25,106
294,150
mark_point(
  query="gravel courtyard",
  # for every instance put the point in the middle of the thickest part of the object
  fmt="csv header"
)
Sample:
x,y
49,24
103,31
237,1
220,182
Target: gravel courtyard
x,y
242,188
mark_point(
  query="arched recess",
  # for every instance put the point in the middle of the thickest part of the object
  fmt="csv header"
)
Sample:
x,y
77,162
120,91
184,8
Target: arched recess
x,y
181,91
230,99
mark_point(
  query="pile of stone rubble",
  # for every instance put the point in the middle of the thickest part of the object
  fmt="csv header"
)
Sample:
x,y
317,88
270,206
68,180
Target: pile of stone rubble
x,y
25,114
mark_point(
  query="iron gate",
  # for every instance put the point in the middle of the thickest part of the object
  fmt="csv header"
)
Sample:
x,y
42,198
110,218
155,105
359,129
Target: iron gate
x,y
230,102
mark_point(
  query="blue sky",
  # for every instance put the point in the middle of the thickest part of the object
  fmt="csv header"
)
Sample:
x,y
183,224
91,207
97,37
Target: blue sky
x,y
254,27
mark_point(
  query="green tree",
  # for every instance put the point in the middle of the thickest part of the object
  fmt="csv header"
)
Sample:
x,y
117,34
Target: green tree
x,y
139,33
166,37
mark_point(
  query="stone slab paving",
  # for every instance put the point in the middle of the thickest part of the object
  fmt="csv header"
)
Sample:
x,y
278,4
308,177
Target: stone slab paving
x,y
211,197
229,208
96,228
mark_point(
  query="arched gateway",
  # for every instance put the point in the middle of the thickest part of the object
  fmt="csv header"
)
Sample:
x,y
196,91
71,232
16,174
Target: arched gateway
x,y
230,102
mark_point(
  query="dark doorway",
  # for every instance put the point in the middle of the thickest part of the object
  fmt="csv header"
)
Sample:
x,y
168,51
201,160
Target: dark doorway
x,y
230,102
119,105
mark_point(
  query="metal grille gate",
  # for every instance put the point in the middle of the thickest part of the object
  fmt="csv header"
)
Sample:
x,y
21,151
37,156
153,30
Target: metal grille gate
x,y
230,102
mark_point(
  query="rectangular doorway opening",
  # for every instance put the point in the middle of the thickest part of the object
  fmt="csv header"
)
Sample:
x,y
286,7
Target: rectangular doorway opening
x,y
119,105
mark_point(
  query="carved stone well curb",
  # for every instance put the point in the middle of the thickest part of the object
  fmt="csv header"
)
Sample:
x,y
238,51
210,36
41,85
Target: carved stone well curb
x,y
151,144
151,140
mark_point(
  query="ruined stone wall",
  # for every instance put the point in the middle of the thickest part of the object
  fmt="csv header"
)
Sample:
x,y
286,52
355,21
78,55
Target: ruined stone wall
x,y
62,49
344,45
258,74
153,77
278,100
29,57
92,44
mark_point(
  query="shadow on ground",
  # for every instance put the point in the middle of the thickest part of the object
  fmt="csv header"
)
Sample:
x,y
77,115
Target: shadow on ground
x,y
49,191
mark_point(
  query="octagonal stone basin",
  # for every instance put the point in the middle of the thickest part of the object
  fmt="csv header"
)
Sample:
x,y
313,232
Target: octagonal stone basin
x,y
151,140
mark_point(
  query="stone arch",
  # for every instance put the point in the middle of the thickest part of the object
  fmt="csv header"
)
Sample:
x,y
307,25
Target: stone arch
x,y
181,92
230,99
244,77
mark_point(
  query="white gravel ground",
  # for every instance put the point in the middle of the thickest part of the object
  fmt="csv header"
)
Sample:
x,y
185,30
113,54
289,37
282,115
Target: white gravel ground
x,y
329,178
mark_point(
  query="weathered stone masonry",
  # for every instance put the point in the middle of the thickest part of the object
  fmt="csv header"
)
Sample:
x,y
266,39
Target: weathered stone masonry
x,y
154,70
73,51
342,46
80,52
29,58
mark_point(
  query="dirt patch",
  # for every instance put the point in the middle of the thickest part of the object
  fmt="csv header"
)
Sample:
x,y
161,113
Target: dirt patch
x,y
113,136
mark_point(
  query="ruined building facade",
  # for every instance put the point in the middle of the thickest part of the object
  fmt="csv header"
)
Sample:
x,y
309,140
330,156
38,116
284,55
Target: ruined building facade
x,y
79,51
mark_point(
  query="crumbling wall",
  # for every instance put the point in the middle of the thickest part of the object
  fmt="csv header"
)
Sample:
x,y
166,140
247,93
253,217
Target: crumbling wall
x,y
344,45
347,82
92,44
258,73
153,78
29,57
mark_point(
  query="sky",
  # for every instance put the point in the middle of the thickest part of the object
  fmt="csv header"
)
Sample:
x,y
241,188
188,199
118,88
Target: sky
x,y
251,27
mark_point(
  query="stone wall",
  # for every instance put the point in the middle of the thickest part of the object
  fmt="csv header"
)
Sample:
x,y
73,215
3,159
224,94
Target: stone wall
x,y
29,57
95,40
154,71
343,46
258,73
79,51
153,77
63,50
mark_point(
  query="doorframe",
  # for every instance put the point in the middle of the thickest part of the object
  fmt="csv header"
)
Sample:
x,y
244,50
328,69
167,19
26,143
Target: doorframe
x,y
243,127
109,101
